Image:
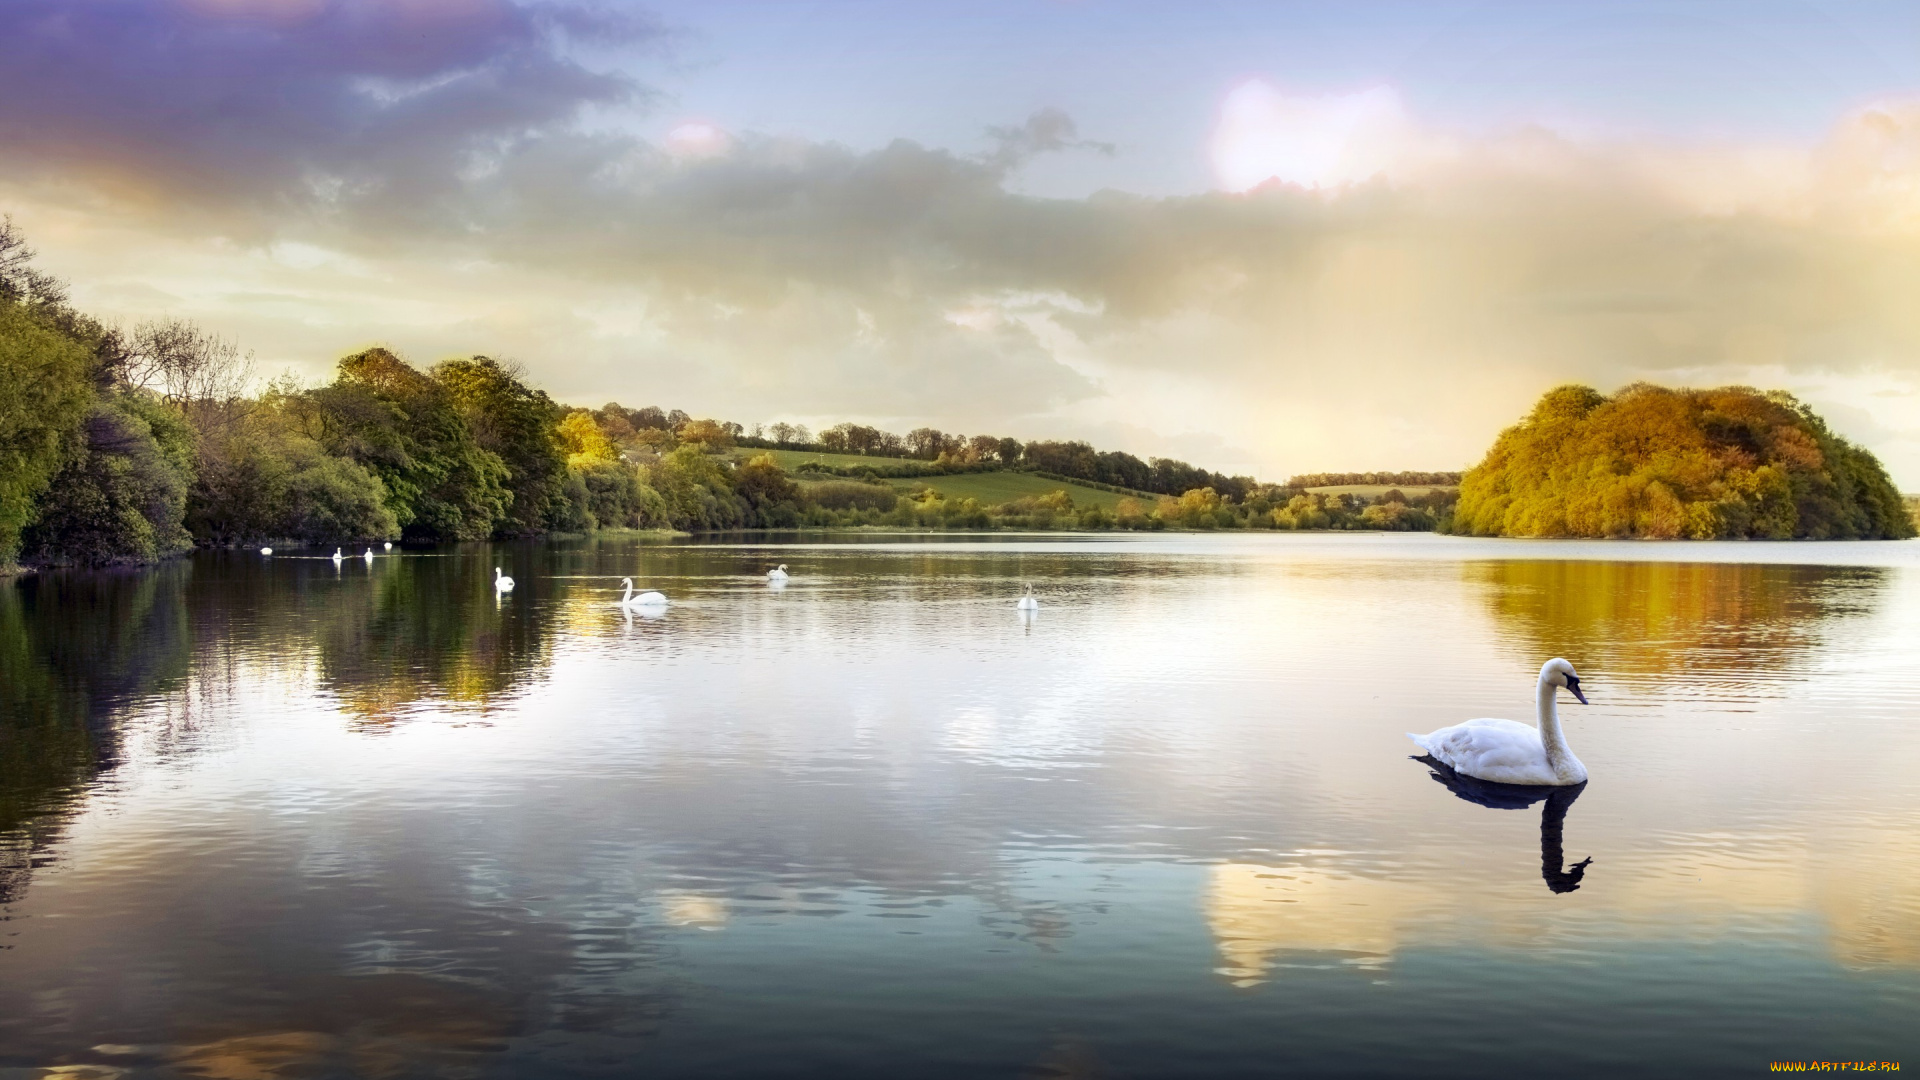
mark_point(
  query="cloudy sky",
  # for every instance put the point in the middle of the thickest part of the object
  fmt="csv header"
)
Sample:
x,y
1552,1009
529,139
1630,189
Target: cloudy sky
x,y
1269,238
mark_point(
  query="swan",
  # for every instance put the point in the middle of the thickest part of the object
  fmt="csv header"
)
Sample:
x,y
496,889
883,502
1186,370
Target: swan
x,y
1027,602
337,557
1509,753
368,556
501,582
648,599
266,551
389,546
778,573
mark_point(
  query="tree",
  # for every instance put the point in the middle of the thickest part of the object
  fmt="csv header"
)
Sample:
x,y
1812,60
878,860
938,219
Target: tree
x,y
771,497
713,435
185,364
1654,462
47,389
406,429
584,440
926,442
516,423
263,478
121,492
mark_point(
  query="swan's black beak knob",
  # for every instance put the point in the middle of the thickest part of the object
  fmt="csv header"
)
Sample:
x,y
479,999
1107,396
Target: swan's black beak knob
x,y
1573,684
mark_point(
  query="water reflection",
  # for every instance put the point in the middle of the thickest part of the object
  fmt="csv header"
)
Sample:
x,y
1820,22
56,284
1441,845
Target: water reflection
x,y
75,652
1299,916
427,629
873,817
1712,623
1559,877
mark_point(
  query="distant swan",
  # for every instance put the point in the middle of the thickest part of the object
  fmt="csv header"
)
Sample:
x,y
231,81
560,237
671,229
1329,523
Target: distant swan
x,y
266,551
337,557
1509,753
778,573
368,556
648,599
501,582
1027,602
389,546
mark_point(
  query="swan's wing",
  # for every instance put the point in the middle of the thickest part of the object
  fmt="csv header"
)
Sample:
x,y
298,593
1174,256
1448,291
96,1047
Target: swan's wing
x,y
1499,750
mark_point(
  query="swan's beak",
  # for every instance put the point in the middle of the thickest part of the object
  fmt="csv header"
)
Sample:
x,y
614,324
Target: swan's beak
x,y
1573,684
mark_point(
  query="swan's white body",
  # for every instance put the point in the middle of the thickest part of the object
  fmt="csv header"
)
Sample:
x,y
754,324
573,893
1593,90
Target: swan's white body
x,y
501,582
649,599
778,573
388,546
337,557
1027,602
368,555
266,551
1506,752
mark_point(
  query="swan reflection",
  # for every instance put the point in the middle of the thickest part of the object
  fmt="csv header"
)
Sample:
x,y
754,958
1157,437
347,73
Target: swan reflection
x,y
1559,877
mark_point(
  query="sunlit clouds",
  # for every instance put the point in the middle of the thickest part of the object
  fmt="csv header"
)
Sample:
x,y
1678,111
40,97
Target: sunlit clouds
x,y
1368,286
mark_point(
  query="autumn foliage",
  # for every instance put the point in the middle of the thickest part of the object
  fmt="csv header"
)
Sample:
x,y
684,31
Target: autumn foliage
x,y
1667,464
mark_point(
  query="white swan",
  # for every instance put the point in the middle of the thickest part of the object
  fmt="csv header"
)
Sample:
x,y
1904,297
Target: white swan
x,y
648,599
1027,602
1505,752
337,557
266,551
501,582
389,546
368,556
778,573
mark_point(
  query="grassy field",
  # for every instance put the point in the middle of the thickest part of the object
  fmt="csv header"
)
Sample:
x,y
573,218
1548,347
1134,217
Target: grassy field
x,y
998,487
991,488
790,459
1375,490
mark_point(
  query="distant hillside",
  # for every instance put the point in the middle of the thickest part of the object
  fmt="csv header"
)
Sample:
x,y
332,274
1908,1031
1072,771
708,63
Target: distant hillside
x,y
1658,463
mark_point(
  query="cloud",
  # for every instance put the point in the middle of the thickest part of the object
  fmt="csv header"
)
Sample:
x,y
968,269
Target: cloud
x,y
1312,140
437,190
1048,131
263,101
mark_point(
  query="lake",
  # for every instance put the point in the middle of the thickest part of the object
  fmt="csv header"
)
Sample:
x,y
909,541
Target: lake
x,y
273,817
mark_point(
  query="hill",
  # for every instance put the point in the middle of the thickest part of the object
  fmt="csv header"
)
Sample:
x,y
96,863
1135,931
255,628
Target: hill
x,y
1658,463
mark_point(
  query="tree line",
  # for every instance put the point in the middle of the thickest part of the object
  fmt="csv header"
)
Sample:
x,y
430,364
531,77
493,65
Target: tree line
x,y
131,445
1397,479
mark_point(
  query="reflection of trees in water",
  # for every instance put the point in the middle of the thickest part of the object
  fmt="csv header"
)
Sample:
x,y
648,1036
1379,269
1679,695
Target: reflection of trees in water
x,y
75,651
426,628
79,650
1651,619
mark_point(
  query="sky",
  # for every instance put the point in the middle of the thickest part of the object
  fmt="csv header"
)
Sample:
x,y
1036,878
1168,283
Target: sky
x,y
1266,238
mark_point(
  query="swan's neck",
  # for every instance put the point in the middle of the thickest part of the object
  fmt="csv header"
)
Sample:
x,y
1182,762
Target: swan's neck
x,y
628,594
1552,739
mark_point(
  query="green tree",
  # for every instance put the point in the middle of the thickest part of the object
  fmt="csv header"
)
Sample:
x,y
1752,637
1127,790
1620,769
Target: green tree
x,y
46,375
772,499
121,493
406,429
517,424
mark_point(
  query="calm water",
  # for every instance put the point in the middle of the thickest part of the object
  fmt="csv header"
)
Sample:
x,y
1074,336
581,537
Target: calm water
x,y
270,818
